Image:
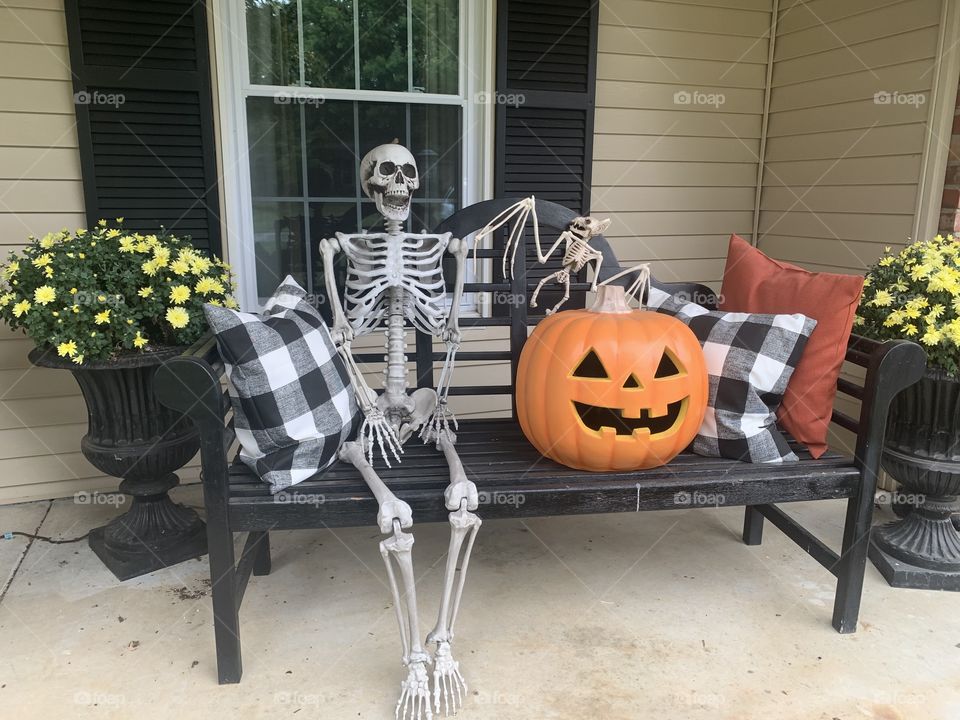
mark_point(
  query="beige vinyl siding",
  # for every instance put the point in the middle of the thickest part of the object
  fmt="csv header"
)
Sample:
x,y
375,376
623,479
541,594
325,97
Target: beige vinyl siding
x,y
676,178
42,415
841,170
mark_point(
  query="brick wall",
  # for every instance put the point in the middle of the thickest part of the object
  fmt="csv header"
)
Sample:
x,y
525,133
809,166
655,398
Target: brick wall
x,y
950,207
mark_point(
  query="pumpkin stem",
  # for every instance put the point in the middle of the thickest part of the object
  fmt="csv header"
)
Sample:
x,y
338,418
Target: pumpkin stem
x,y
611,299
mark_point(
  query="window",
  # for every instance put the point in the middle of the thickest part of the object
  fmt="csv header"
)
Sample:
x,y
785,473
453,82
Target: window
x,y
317,84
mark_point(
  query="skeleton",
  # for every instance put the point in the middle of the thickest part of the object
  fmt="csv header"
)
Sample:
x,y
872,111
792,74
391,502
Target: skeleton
x,y
394,277
577,251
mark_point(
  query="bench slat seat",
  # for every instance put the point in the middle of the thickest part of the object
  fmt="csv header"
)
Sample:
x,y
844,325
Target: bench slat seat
x,y
515,481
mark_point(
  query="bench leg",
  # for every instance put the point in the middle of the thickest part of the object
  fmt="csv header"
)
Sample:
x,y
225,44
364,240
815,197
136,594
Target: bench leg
x,y
261,563
226,617
752,526
852,563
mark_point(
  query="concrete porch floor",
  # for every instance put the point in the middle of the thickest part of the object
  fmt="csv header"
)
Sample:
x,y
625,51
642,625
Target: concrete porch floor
x,y
655,615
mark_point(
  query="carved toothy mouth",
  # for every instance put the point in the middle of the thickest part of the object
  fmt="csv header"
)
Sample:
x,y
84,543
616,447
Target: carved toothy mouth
x,y
595,417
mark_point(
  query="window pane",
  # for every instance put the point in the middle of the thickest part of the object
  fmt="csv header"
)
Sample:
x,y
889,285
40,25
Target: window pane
x,y
274,55
435,140
328,49
273,132
279,246
383,45
436,47
381,123
331,159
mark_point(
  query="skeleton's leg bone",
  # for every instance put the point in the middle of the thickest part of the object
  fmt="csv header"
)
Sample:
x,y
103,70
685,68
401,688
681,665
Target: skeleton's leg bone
x,y
566,293
414,701
393,515
449,684
549,278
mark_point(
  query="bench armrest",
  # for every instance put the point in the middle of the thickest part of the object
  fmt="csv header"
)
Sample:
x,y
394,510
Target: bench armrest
x,y
190,384
891,367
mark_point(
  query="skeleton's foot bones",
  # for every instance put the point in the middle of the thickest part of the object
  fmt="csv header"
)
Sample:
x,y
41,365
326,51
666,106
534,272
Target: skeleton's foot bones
x,y
414,702
449,687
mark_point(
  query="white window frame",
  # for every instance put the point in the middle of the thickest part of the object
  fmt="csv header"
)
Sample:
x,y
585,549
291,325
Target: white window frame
x,y
228,21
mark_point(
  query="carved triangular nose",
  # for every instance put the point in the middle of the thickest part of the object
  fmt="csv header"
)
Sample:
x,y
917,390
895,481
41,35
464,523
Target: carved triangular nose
x,y
632,383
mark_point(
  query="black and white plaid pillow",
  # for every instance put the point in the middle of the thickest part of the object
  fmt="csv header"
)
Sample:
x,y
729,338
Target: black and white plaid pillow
x,y
750,359
292,400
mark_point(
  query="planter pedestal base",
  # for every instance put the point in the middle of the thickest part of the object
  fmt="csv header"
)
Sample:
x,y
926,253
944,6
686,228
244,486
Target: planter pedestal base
x,y
153,534
922,549
900,574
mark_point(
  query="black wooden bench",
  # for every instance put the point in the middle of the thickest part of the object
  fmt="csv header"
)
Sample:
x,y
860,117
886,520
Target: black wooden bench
x,y
506,467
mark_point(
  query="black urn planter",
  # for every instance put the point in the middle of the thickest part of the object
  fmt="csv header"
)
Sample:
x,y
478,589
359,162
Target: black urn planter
x,y
130,435
922,452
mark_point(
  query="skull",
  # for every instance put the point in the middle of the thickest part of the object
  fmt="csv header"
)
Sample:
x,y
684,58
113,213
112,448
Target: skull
x,y
590,226
388,175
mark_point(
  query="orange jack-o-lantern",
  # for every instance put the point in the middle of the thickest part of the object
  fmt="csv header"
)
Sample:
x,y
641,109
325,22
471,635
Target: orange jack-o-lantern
x,y
611,388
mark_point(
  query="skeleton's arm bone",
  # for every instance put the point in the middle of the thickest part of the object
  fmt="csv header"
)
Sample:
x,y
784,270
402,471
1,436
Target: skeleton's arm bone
x,y
341,328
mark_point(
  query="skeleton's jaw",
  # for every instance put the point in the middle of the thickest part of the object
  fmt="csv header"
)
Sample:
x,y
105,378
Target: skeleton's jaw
x,y
393,205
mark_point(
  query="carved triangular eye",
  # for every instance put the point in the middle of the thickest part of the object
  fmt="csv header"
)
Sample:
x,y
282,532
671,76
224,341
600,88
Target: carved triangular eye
x,y
591,367
632,382
667,367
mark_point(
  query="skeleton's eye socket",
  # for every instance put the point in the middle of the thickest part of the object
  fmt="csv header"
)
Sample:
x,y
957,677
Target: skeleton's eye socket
x,y
409,170
591,367
387,168
667,367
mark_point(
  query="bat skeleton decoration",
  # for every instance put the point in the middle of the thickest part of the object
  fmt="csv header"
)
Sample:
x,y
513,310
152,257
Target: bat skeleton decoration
x,y
393,278
577,251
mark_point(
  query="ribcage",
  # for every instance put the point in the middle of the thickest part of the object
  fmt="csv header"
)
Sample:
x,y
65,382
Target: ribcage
x,y
378,262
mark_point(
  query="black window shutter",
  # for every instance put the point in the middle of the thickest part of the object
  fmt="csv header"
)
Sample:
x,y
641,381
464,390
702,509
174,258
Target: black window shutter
x,y
141,78
546,91
546,87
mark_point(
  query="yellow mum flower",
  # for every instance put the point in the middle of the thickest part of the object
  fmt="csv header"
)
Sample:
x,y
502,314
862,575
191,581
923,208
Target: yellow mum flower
x,y
886,261
44,294
78,359
101,222
75,308
200,265
48,240
42,260
180,267
910,330
5,299
867,281
139,341
179,294
207,285
932,336
102,318
127,244
48,271
178,317
882,299
935,312
112,233
142,246
161,256
11,269
145,292
81,232
67,349
21,308
231,303
150,268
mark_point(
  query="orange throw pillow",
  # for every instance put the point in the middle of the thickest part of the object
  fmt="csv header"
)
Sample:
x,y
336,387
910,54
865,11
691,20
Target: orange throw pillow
x,y
755,283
